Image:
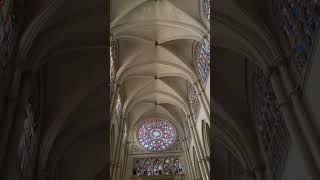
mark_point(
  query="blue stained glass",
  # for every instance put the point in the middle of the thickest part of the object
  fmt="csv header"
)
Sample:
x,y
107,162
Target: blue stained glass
x,y
300,50
202,60
299,22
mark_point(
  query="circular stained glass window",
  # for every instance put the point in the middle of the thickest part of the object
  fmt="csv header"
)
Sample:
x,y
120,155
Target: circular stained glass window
x,y
156,135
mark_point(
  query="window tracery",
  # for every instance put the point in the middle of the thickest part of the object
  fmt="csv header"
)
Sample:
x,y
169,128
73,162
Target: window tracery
x,y
201,58
113,59
273,131
27,144
158,166
193,100
299,24
206,9
156,135
113,63
8,31
137,149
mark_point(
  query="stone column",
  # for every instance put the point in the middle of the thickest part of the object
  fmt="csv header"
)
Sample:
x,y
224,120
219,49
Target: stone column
x,y
203,94
303,119
203,165
203,100
188,160
292,125
117,153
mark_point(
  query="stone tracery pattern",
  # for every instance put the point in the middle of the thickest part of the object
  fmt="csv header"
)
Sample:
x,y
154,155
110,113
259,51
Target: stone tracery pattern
x,y
8,31
156,135
206,8
137,149
201,56
273,131
113,63
164,166
27,144
299,23
113,59
193,100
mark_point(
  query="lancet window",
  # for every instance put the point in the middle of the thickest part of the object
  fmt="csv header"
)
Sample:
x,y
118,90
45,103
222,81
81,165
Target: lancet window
x,y
27,144
113,59
270,122
206,8
201,56
193,100
299,24
159,166
8,31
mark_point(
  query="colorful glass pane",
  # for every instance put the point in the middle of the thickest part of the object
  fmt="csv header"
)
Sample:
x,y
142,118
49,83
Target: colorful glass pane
x,y
202,60
299,23
193,100
158,166
156,135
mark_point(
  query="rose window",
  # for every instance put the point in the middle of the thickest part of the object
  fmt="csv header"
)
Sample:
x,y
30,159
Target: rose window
x,y
156,135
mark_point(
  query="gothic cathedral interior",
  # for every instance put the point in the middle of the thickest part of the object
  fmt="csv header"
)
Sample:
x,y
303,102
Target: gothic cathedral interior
x,y
159,90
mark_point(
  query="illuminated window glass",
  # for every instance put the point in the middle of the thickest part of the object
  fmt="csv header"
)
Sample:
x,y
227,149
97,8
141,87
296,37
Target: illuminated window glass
x,y
202,60
156,135
193,100
158,166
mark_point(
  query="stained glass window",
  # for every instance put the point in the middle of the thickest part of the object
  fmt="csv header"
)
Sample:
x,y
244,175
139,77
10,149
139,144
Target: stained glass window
x,y
271,125
8,31
299,24
159,166
27,144
193,100
202,60
113,59
156,135
206,8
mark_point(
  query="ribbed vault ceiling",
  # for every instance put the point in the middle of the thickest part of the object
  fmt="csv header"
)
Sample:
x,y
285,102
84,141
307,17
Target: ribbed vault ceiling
x,y
153,77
